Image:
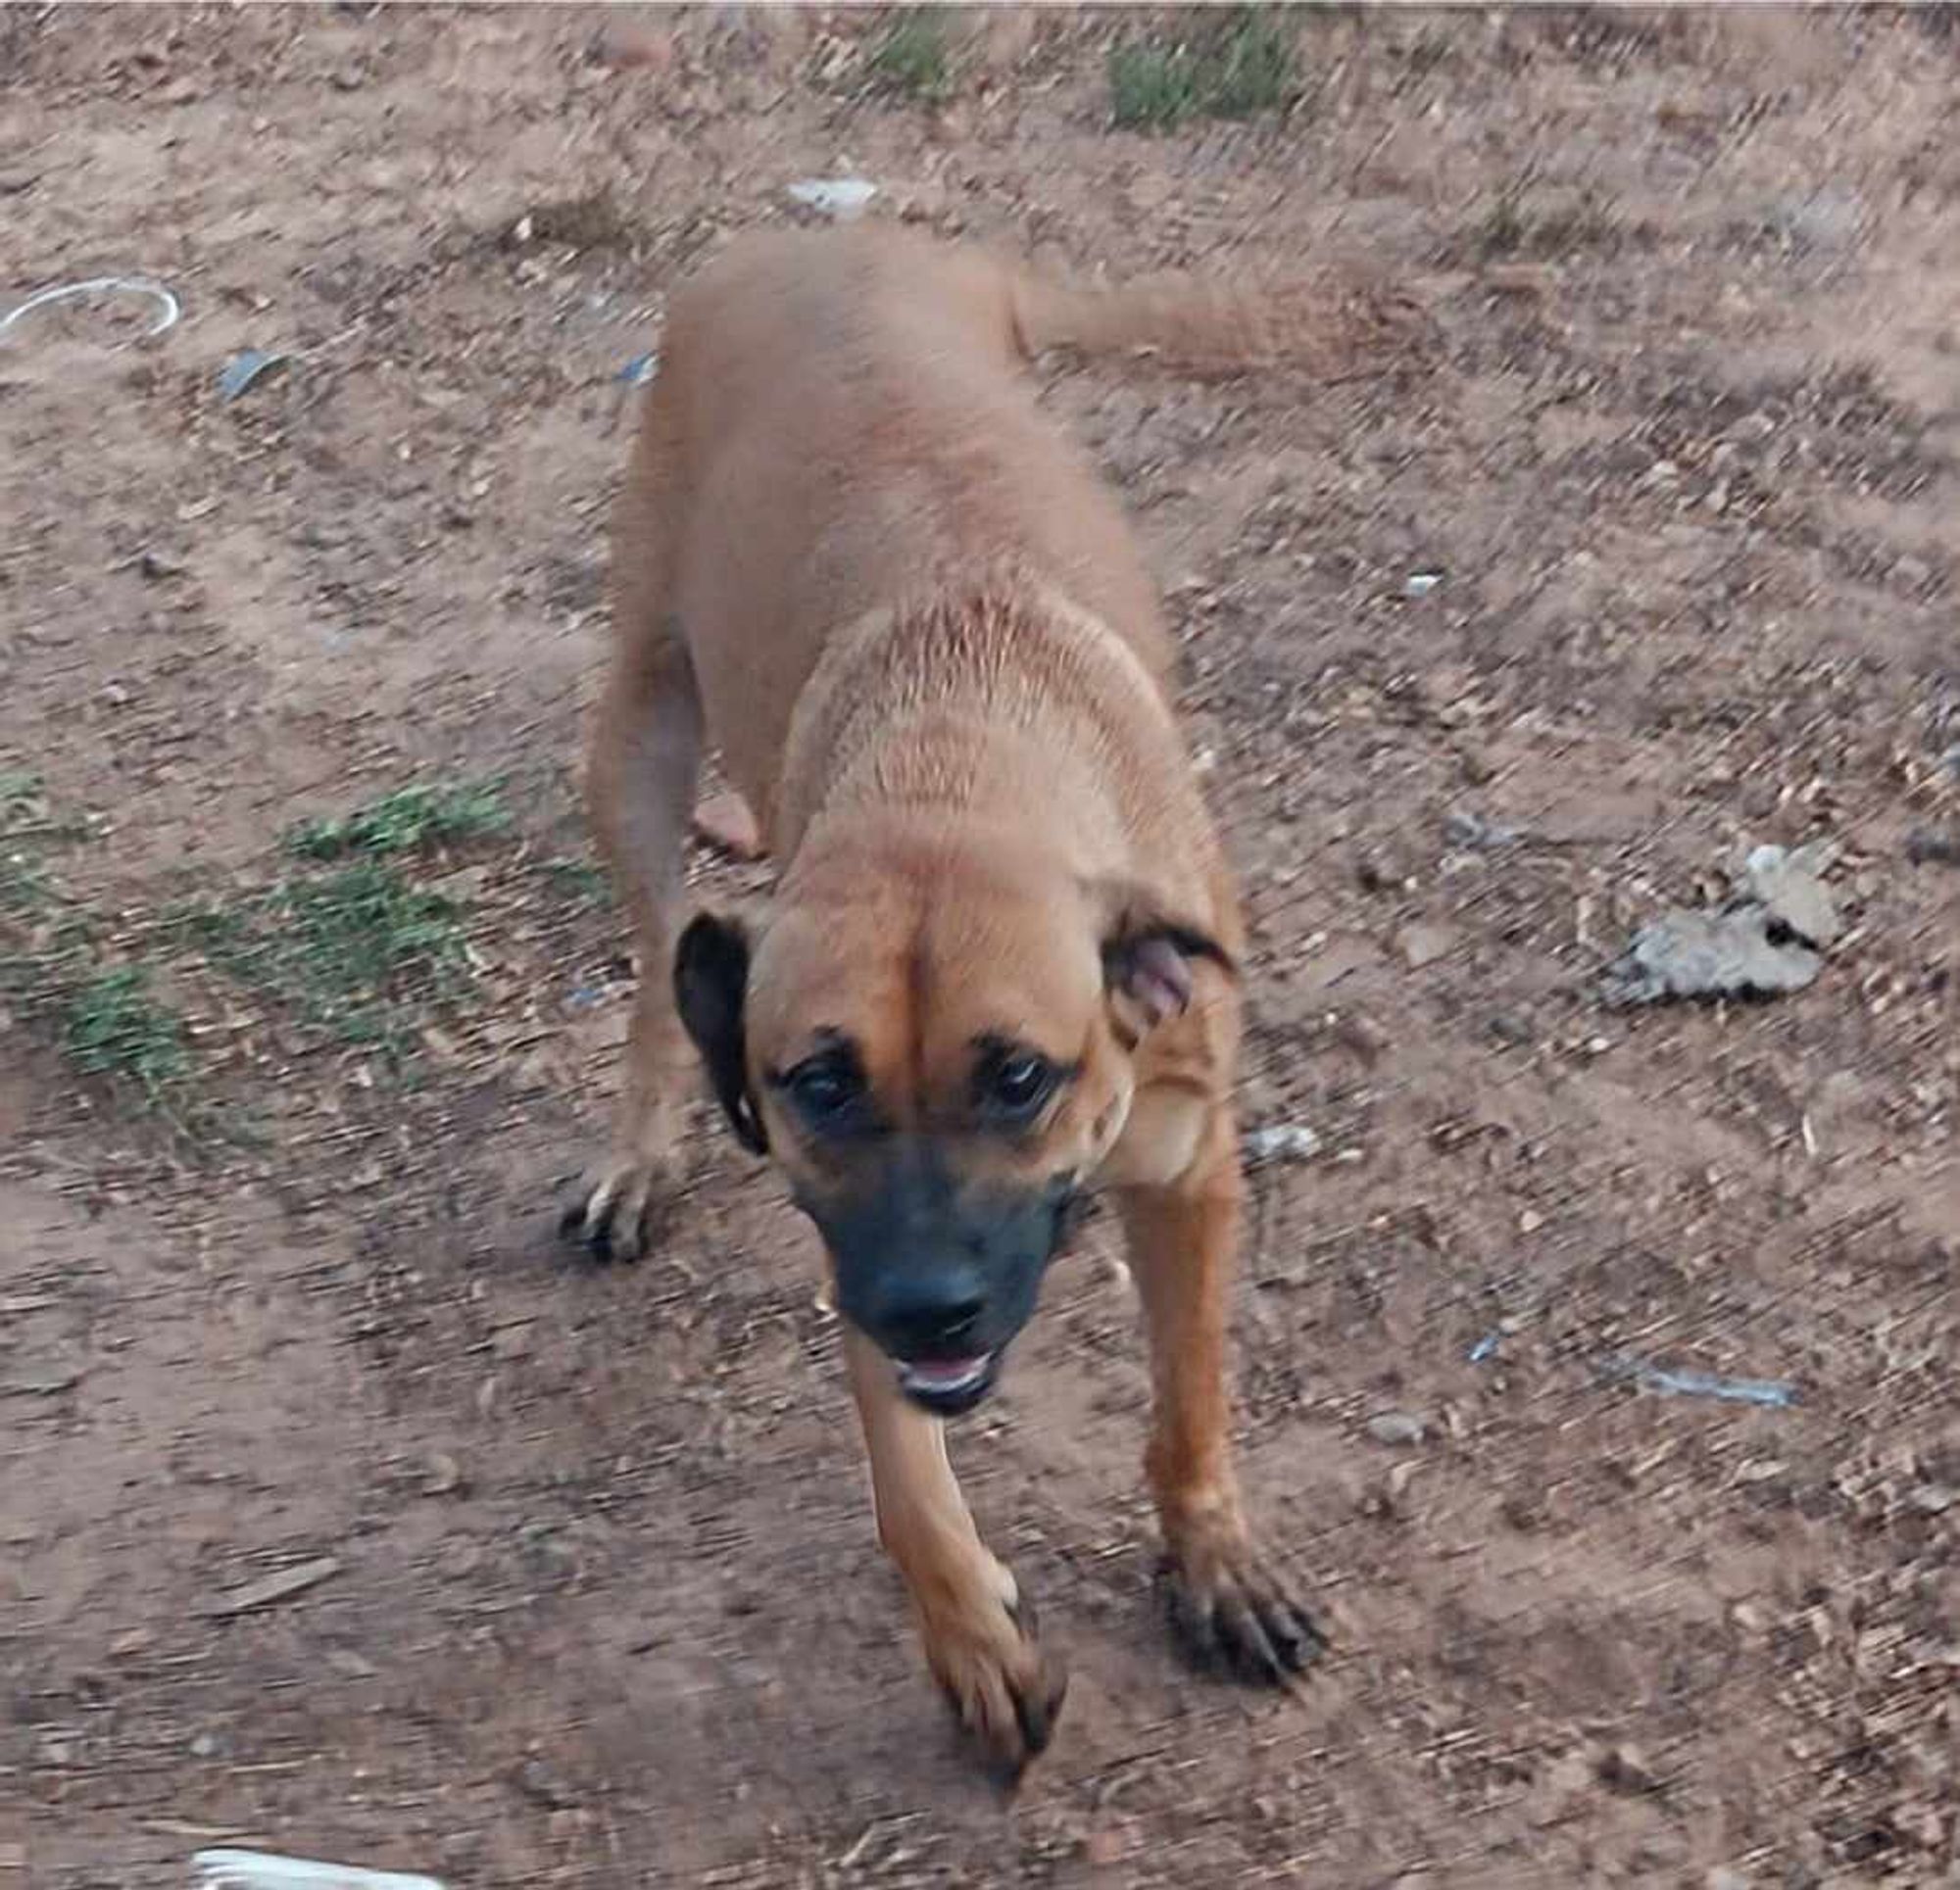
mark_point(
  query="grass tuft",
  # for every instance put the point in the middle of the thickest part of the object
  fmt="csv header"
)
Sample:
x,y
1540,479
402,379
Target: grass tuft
x,y
411,820
1232,65
356,952
913,58
113,1026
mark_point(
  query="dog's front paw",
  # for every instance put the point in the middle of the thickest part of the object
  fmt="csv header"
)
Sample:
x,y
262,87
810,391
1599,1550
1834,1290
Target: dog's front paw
x,y
618,1210
1004,1687
1234,1611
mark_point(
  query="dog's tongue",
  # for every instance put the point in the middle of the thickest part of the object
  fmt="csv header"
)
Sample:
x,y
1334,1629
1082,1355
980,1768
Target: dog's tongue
x,y
933,1373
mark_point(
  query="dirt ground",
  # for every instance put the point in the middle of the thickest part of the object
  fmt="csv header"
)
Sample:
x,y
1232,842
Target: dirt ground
x,y
341,1511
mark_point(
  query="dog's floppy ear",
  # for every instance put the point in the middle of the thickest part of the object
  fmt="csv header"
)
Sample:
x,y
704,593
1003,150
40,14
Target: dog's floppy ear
x,y
710,985
1148,952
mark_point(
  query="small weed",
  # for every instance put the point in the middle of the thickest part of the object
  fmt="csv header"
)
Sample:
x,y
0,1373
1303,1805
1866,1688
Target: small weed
x,y
1151,87
911,57
113,1026
1231,67
411,820
25,884
1502,229
1553,224
27,827
355,951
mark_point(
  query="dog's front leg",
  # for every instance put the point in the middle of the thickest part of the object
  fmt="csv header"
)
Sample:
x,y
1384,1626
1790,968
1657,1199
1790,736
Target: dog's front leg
x,y
1230,1605
978,1631
640,782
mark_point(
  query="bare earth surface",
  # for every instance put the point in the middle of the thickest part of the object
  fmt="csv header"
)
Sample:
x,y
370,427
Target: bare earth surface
x,y
341,1511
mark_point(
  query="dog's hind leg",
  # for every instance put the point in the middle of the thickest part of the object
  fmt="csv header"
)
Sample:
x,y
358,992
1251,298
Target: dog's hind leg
x,y
978,1631
641,773
1231,1606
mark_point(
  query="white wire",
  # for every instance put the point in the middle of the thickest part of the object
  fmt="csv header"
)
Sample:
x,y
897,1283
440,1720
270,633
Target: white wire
x,y
103,285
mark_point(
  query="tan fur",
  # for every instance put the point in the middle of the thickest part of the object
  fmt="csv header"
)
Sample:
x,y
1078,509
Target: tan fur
x,y
853,553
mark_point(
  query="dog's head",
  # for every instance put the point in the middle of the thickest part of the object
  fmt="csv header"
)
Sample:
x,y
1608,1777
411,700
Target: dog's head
x,y
936,1043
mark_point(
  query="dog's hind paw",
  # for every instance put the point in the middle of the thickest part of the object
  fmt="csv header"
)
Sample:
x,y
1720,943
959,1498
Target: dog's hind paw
x,y
616,1212
1233,1611
1005,1688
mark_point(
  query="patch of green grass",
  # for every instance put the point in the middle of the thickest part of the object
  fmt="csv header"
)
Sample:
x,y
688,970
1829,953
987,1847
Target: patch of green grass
x,y
1231,66
25,884
113,1026
913,58
410,820
27,827
356,952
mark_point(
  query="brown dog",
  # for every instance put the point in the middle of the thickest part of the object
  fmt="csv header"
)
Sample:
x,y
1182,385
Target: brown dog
x,y
999,966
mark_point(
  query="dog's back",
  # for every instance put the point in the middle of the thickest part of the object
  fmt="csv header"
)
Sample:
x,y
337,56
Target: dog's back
x,y
841,423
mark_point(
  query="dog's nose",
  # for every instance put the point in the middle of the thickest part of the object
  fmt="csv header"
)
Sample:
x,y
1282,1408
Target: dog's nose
x,y
932,1319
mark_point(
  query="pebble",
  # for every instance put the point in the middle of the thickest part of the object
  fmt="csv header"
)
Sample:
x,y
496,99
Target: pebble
x,y
1624,1768
1419,945
1396,1428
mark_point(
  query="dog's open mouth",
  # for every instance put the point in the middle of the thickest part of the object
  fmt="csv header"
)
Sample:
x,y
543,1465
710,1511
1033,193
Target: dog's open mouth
x,y
947,1386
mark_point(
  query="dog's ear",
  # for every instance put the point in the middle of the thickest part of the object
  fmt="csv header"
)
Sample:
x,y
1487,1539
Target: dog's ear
x,y
1148,952
710,985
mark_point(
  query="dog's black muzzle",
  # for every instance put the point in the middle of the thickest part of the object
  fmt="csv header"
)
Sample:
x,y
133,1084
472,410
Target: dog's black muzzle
x,y
939,1274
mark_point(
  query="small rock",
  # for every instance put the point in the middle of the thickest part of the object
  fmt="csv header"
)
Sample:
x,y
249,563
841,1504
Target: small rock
x,y
1419,945
444,1474
1379,872
543,1786
1704,954
1934,847
1623,1769
1419,584
207,1745
1361,1035
1788,888
1396,1428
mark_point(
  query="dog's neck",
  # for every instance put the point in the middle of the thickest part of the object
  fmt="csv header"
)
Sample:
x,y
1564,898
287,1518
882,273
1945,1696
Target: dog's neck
x,y
980,701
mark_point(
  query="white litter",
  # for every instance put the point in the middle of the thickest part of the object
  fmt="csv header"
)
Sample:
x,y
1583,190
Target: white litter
x,y
168,306
1282,1141
259,1871
838,198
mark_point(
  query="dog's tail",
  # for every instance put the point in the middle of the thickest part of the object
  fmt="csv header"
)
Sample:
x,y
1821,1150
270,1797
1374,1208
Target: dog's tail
x,y
1335,325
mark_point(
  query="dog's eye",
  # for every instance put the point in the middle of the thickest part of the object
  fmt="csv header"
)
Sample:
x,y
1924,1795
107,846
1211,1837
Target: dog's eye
x,y
826,1088
1017,1084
